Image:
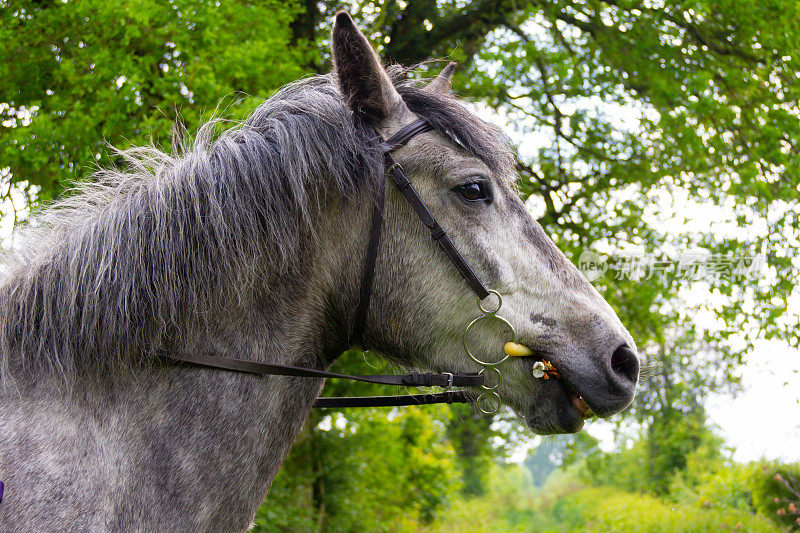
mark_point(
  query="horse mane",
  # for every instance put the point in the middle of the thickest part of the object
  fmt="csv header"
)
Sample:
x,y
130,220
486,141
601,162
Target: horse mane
x,y
143,255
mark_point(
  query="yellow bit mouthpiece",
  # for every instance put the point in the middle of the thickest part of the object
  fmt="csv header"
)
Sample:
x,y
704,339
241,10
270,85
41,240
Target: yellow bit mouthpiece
x,y
517,350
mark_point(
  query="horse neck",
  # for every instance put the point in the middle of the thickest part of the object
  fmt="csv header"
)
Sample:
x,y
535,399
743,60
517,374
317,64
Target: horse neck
x,y
221,436
183,444
174,444
236,429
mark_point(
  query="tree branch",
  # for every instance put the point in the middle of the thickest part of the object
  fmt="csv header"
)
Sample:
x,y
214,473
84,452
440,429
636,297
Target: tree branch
x,y
411,42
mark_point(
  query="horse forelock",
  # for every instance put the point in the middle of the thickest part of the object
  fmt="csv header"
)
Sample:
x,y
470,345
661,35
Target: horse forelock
x,y
144,255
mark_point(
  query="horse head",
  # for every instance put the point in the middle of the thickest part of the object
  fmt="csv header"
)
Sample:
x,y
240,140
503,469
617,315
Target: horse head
x,y
421,306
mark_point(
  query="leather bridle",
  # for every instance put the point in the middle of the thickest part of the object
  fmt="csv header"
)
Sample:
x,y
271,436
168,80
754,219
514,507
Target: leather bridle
x,y
395,171
445,379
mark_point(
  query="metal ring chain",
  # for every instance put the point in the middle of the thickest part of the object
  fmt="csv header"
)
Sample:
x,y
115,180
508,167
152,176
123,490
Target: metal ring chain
x,y
489,401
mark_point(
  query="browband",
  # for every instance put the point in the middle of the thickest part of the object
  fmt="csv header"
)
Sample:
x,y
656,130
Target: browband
x,y
404,134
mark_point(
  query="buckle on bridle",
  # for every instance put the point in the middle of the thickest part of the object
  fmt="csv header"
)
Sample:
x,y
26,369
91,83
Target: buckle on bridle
x,y
449,382
393,167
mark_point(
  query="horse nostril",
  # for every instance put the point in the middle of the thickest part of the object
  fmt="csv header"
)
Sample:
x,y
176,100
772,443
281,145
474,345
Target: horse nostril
x,y
625,363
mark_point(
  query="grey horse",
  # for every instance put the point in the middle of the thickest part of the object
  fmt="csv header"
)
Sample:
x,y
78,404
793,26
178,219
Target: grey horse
x,y
250,244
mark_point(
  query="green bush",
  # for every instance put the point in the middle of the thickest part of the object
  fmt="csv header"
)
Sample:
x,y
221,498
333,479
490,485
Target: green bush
x,y
510,504
709,481
611,510
775,493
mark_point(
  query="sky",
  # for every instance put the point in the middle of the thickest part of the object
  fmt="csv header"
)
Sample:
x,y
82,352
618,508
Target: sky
x,y
763,421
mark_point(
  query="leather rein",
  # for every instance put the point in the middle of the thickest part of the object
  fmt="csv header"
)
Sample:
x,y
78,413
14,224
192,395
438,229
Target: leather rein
x,y
445,380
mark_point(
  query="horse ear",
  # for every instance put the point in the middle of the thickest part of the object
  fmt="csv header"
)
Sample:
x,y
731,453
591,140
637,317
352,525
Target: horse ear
x,y
441,83
363,82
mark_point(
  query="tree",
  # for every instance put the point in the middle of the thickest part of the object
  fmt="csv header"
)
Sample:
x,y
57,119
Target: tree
x,y
470,431
371,470
556,452
76,75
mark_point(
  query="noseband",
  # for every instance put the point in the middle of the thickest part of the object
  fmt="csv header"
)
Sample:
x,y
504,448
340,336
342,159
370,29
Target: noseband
x,y
488,401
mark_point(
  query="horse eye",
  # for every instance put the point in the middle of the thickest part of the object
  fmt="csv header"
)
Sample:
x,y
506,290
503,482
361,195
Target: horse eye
x,y
472,192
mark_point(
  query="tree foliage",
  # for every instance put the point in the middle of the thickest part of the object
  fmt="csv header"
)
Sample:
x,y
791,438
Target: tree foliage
x,y
77,75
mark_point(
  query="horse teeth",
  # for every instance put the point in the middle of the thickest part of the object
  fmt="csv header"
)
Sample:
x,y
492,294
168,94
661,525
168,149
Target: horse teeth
x,y
581,406
517,350
576,403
